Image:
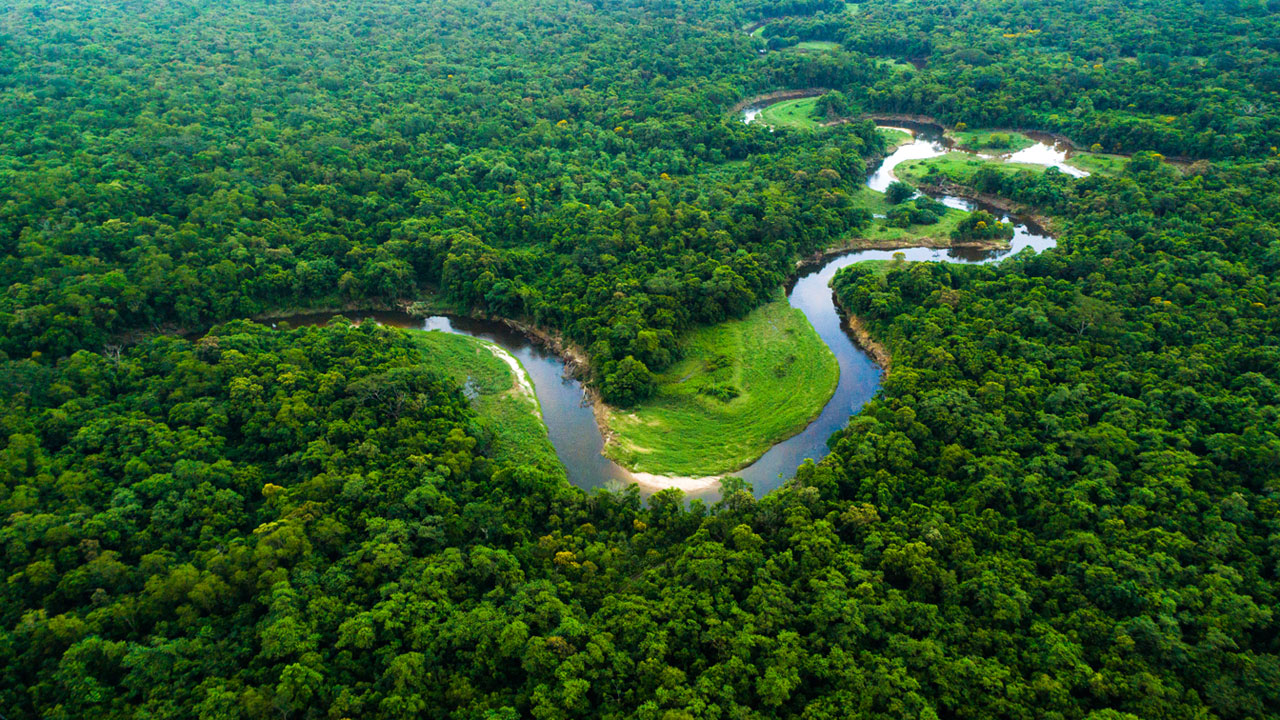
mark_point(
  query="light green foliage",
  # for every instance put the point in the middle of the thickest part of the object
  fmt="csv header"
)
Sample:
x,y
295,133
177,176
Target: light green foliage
x,y
815,46
742,386
507,410
881,267
894,138
881,232
797,114
895,64
958,166
981,225
1100,163
991,141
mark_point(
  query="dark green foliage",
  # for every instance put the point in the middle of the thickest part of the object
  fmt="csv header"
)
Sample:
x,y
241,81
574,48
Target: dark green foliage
x,y
1063,503
898,192
1181,78
172,513
320,162
833,105
923,210
627,381
1106,414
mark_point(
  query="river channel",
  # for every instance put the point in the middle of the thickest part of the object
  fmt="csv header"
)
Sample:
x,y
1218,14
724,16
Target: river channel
x,y
568,414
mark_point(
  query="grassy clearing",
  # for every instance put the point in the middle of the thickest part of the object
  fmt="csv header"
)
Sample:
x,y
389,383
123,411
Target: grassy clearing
x,y
894,64
958,166
852,8
894,138
871,201
882,267
508,416
995,141
814,46
881,233
1098,163
791,114
782,374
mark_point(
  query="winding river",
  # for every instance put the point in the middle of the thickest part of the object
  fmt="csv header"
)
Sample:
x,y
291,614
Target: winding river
x,y
571,424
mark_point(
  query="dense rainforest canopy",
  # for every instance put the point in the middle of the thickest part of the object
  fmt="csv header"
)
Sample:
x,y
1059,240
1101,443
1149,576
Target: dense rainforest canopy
x,y
1064,503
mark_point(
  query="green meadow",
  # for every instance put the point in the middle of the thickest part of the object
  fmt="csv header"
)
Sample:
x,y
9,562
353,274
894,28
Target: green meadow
x,y
992,141
791,114
960,165
509,413
895,64
1100,163
894,138
742,386
957,166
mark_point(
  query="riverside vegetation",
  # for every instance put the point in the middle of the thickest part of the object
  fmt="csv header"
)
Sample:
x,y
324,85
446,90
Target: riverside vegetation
x,y
504,401
1062,504
742,386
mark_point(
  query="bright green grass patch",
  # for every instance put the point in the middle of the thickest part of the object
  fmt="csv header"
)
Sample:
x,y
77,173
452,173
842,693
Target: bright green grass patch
x,y
894,138
895,64
996,141
880,233
815,46
882,267
871,201
509,416
742,386
791,113
852,8
758,32
1098,163
958,166
933,235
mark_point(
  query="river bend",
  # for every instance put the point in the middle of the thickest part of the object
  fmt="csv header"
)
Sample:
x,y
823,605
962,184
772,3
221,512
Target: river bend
x,y
568,414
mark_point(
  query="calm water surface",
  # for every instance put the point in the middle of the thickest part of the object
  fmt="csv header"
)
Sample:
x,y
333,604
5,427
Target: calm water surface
x,y
571,424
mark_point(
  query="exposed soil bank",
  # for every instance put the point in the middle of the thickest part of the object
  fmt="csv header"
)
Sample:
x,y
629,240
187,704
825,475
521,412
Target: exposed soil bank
x,y
877,351
578,366
523,384
888,118
862,337
576,363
